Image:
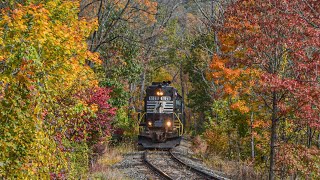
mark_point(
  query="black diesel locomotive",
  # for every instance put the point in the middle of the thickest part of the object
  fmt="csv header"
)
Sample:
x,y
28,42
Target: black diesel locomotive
x,y
162,122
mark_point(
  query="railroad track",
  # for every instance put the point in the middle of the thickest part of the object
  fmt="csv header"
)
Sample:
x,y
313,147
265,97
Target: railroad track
x,y
168,166
154,168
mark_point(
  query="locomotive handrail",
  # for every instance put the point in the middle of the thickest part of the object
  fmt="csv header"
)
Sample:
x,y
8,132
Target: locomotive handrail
x,y
181,124
139,120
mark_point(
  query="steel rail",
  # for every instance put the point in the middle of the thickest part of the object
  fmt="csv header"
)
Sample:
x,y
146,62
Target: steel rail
x,y
196,170
155,169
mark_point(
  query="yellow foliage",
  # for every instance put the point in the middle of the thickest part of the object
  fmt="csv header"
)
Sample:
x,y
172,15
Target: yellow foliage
x,y
240,106
44,49
217,140
162,75
94,107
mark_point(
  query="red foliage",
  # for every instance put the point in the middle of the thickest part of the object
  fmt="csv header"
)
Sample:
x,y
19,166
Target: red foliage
x,y
282,39
100,126
60,176
95,128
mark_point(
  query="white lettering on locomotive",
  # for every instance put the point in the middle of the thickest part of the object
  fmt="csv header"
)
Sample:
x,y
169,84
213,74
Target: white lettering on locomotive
x,y
159,106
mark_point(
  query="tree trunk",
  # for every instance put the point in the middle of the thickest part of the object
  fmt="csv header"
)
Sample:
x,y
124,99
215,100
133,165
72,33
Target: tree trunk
x,y
214,23
199,122
273,137
252,137
309,137
188,113
182,95
143,79
319,140
181,82
238,146
131,94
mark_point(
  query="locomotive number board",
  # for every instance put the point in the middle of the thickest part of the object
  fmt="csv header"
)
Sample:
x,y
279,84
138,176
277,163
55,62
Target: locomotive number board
x,y
157,98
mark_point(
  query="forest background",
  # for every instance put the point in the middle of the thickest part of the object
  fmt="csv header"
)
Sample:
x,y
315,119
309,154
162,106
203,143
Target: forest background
x,y
73,75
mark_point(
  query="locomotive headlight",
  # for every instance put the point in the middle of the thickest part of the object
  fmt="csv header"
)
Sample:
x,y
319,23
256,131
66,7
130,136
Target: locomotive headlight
x,y
149,123
168,123
159,93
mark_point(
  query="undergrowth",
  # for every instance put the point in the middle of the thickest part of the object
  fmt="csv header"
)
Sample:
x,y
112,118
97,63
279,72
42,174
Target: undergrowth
x,y
113,154
233,169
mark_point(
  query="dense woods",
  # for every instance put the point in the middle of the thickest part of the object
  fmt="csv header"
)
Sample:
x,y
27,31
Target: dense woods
x,y
73,76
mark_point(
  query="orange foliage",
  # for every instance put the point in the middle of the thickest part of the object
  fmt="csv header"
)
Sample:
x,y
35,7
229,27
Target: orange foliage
x,y
235,81
136,10
240,106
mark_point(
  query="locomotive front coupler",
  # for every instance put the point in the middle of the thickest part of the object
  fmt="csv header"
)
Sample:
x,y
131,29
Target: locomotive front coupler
x,y
159,136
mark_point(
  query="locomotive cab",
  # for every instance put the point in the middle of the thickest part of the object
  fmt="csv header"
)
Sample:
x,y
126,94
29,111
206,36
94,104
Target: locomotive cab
x,y
161,124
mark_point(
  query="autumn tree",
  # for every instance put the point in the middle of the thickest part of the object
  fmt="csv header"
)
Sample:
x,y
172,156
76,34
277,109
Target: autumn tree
x,y
120,35
280,40
201,43
42,72
120,39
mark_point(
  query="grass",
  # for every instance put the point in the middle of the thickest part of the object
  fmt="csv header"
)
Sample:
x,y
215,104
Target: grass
x,y
103,170
232,168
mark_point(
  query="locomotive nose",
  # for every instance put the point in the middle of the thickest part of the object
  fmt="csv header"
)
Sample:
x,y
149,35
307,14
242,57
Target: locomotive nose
x,y
159,136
